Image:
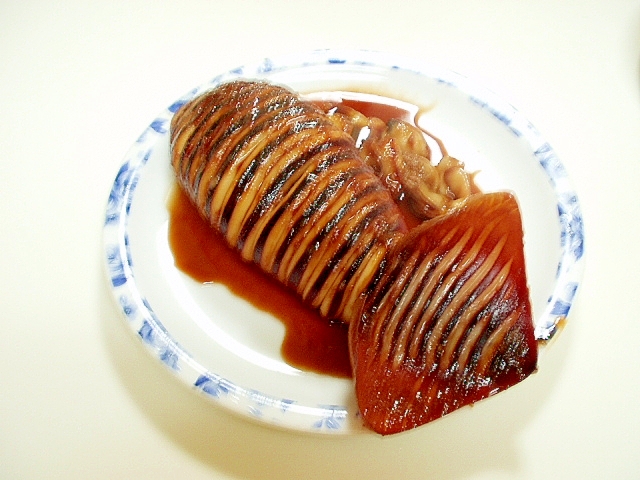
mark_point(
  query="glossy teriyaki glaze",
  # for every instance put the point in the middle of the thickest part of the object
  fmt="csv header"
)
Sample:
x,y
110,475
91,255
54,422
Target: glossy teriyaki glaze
x,y
311,342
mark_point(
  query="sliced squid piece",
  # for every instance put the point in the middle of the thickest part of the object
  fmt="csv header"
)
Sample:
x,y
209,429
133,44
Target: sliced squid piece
x,y
449,323
287,188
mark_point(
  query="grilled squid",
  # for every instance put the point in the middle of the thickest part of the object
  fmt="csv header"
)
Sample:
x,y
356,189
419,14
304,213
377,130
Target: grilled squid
x,y
287,189
401,157
439,314
449,320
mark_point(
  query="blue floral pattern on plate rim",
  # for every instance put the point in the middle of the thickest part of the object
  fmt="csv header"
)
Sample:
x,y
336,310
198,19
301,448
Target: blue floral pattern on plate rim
x,y
287,412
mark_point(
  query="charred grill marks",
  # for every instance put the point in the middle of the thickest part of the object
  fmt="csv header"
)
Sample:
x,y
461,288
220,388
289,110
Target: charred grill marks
x,y
439,315
285,187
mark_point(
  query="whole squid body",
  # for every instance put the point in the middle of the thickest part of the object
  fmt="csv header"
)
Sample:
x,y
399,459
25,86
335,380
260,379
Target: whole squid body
x,y
439,313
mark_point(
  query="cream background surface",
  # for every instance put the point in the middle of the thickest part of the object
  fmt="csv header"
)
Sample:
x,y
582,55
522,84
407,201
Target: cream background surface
x,y
80,398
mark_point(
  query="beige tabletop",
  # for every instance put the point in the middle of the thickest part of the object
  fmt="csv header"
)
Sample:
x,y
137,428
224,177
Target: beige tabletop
x,y
79,395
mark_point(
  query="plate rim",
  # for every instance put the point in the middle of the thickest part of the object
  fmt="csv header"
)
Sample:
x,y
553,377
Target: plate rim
x,y
281,411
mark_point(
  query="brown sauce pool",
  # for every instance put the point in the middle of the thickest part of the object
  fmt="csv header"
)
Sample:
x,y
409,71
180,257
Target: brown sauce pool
x,y
311,342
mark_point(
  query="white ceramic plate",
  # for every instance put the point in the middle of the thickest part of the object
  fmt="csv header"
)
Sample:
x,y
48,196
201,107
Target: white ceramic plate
x,y
222,346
